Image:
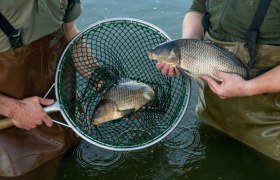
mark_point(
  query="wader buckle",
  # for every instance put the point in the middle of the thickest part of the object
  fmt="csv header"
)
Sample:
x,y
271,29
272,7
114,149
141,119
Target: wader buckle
x,y
15,38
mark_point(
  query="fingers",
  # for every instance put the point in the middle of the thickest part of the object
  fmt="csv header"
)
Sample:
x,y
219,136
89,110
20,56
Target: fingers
x,y
221,75
210,81
46,102
167,69
29,113
229,85
159,65
47,120
214,85
163,67
27,126
23,125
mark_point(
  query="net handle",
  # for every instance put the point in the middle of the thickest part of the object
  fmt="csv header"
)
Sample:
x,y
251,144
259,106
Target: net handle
x,y
7,122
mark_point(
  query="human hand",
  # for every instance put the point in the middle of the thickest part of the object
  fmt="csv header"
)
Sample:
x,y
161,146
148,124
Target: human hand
x,y
231,85
28,113
167,69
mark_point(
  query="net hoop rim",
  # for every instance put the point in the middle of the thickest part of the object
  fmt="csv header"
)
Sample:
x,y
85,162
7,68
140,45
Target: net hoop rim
x,y
84,137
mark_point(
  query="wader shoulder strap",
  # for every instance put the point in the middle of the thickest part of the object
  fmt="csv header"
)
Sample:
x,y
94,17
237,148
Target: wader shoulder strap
x,y
253,31
13,34
71,4
205,22
252,34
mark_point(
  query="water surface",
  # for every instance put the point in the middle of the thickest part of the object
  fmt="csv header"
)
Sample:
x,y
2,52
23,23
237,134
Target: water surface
x,y
192,151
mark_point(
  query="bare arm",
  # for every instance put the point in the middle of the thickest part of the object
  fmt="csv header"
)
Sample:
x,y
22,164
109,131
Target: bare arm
x,y
233,85
266,83
83,57
82,54
192,29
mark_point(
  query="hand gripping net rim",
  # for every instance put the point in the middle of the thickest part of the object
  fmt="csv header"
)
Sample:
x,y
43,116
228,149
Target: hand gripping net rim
x,y
129,140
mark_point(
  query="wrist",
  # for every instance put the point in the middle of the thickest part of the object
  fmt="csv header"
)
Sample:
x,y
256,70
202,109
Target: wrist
x,y
248,88
252,88
7,106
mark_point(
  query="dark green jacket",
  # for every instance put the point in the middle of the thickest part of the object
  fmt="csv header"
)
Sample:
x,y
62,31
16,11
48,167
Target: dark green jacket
x,y
36,18
230,19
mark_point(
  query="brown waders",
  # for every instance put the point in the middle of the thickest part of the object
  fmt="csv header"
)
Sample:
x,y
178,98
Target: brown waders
x,y
24,72
253,120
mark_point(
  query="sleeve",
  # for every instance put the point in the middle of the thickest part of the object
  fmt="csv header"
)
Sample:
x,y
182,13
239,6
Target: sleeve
x,y
198,5
73,10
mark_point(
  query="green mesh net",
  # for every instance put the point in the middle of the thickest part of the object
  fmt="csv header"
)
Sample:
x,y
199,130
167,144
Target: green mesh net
x,y
95,60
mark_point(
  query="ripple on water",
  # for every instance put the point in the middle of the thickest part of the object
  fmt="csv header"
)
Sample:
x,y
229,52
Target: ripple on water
x,y
185,138
90,158
184,149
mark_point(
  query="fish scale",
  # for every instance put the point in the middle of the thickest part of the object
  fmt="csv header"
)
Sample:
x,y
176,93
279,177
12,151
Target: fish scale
x,y
127,94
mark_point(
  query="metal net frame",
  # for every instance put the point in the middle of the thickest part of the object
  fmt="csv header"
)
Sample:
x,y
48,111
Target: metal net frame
x,y
95,60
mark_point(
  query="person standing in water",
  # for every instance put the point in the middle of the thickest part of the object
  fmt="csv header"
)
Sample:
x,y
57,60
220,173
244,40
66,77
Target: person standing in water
x,y
33,35
247,110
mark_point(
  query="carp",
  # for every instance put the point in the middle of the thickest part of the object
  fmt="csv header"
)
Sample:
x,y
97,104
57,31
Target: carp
x,y
125,97
197,57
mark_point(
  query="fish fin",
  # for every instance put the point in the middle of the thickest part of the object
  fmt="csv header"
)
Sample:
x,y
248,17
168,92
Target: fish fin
x,y
200,83
124,80
125,112
184,71
226,52
256,72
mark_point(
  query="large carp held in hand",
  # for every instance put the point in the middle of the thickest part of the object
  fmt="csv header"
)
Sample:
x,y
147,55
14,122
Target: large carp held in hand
x,y
197,57
126,97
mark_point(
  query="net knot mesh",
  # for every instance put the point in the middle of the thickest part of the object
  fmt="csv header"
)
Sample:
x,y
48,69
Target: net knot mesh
x,y
94,62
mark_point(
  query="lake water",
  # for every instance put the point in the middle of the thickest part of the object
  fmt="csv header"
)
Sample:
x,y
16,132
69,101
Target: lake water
x,y
192,151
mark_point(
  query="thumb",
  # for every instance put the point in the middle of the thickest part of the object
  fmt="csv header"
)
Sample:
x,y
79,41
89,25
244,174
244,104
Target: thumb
x,y
46,102
221,75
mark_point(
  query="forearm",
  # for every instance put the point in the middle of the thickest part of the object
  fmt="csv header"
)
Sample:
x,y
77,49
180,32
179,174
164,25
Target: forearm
x,y
70,30
192,27
268,82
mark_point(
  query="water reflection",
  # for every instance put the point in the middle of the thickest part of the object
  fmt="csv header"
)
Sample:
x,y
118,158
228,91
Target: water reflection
x,y
185,138
184,149
177,154
91,158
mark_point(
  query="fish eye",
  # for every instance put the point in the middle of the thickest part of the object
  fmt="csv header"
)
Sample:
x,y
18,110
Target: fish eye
x,y
97,111
159,50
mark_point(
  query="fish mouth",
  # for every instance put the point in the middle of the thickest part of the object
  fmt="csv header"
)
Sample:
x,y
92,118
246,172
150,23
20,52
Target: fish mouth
x,y
94,122
98,121
150,54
